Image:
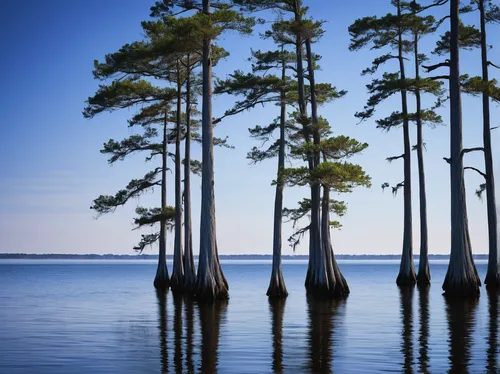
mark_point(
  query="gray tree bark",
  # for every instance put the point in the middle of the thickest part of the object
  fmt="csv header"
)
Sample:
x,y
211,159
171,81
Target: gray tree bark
x,y
177,279
461,278
492,280
424,273
162,280
210,282
189,269
277,286
406,274
318,282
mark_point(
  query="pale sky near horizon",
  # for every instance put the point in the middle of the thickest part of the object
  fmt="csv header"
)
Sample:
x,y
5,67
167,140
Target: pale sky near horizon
x,y
51,168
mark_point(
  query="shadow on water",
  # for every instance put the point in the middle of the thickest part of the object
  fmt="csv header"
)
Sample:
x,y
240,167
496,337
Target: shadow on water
x,y
493,351
406,299
162,319
461,316
210,320
423,334
277,309
323,318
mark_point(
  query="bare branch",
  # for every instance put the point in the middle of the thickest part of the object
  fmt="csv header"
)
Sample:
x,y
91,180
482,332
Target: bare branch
x,y
476,170
492,64
430,68
439,77
469,150
394,158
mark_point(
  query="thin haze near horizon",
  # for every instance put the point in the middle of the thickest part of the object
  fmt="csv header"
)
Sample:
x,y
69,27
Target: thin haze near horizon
x,y
51,168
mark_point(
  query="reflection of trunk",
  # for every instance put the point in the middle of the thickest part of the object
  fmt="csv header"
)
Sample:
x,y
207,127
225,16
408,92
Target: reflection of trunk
x,y
406,274
277,309
162,318
210,318
322,320
492,351
318,281
210,283
461,315
492,280
161,280
337,285
277,286
177,279
177,332
424,273
189,312
189,269
406,299
423,338
461,278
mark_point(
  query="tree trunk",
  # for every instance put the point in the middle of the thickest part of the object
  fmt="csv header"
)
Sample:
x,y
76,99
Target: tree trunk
x,y
162,281
189,269
318,282
337,285
424,273
461,278
406,274
277,308
303,114
277,286
210,283
423,338
177,279
492,279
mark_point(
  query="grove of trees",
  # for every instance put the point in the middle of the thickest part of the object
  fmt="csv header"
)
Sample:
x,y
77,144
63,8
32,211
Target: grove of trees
x,y
167,80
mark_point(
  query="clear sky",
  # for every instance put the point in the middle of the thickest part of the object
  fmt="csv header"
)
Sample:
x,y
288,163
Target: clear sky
x,y
51,168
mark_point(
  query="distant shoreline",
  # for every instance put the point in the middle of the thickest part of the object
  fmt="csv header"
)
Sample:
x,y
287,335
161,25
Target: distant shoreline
x,y
18,256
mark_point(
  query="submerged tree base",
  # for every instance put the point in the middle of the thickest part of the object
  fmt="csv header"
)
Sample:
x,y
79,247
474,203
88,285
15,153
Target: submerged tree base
x,y
277,288
335,290
406,278
177,284
424,277
161,283
492,281
461,288
207,294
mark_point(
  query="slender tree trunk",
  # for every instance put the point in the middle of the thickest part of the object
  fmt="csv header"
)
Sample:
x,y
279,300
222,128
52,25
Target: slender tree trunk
x,y
177,279
277,286
424,273
210,283
337,285
303,114
406,274
189,269
461,278
319,280
161,279
492,280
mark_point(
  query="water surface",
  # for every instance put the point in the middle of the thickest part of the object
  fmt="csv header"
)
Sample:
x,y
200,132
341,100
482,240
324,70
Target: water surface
x,y
105,317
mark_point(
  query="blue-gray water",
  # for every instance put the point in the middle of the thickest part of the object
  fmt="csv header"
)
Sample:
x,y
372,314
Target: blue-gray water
x,y
104,317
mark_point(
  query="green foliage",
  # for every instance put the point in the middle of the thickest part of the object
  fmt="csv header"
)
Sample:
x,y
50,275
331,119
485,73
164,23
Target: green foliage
x,y
152,216
469,37
476,86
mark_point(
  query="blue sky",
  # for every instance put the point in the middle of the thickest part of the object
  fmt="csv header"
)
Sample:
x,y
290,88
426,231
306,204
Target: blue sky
x,y
51,168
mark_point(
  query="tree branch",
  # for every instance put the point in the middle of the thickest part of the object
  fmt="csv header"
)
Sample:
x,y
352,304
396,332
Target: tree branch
x,y
476,170
430,68
439,77
492,64
394,158
468,150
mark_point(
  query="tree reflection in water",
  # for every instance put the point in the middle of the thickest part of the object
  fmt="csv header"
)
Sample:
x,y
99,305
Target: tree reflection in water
x,y
177,332
322,322
162,320
461,315
277,309
406,300
423,336
210,318
493,351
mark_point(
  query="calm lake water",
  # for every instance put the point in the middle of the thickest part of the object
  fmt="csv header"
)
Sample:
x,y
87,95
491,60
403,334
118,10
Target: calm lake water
x,y
105,317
